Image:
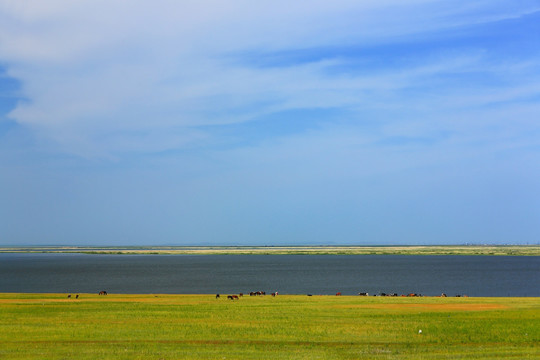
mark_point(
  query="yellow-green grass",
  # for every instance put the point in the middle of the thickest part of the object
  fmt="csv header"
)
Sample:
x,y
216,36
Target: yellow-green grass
x,y
511,250
51,326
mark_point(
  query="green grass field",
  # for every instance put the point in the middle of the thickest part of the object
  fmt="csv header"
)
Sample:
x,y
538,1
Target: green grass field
x,y
51,326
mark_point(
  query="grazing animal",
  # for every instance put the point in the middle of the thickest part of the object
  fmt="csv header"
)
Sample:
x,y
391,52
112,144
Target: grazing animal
x,y
338,294
69,296
363,294
217,296
241,294
102,292
235,297
77,296
230,297
443,295
309,295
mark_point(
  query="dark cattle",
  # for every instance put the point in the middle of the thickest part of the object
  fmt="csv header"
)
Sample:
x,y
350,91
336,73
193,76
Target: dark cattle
x,y
241,294
103,292
309,295
77,296
274,293
69,296
443,295
230,297
363,294
217,296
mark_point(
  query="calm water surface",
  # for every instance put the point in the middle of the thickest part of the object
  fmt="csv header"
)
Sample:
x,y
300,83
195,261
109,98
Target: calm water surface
x,y
288,274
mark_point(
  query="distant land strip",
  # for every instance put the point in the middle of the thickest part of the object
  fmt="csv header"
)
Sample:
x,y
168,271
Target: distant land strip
x,y
484,250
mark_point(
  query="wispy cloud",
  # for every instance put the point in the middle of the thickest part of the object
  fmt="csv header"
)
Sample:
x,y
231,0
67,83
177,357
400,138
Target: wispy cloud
x,y
94,69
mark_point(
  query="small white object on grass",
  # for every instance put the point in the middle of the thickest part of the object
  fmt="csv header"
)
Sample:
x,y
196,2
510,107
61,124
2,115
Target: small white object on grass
x,y
419,331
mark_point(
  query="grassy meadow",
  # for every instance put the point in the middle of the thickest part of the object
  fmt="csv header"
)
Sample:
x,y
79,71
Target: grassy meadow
x,y
51,326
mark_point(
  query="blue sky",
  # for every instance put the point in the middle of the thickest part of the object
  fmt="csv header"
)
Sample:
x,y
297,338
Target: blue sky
x,y
269,123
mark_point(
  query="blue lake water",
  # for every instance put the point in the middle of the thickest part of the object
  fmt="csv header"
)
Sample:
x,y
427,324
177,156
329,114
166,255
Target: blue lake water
x,y
287,274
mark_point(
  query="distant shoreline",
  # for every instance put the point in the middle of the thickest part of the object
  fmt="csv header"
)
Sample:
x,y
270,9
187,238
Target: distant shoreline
x,y
474,250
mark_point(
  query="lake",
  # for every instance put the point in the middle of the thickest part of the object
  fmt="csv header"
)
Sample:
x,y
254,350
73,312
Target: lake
x,y
287,274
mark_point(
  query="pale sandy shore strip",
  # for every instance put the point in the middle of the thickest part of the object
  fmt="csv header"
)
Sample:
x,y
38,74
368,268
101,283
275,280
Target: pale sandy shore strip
x,y
487,250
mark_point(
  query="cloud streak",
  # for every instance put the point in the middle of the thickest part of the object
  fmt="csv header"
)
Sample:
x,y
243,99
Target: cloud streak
x,y
96,68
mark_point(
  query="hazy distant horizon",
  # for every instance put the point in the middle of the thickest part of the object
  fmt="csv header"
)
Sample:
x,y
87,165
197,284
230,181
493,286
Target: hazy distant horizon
x,y
98,245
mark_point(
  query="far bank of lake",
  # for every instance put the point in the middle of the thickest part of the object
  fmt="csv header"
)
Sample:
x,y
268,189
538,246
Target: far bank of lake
x,y
483,250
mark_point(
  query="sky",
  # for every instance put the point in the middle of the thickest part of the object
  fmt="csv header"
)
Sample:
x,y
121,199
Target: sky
x,y
269,122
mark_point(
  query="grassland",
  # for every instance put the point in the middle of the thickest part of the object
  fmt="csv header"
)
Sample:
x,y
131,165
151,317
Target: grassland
x,y
509,250
51,326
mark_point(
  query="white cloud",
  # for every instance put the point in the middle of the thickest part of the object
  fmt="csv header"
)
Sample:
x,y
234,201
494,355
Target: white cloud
x,y
99,69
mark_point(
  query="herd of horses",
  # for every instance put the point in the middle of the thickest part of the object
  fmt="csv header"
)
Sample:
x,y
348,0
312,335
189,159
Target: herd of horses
x,y
405,295
252,293
262,293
